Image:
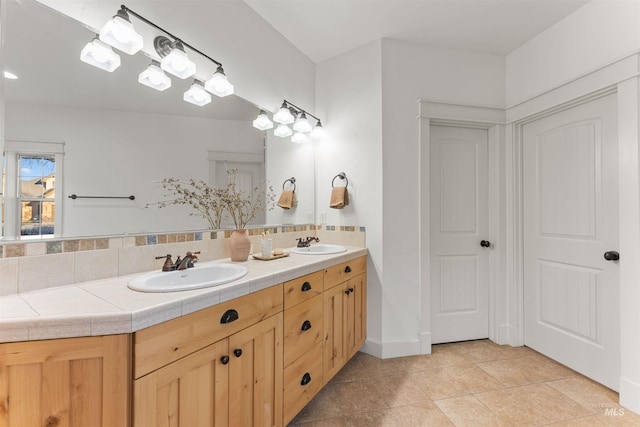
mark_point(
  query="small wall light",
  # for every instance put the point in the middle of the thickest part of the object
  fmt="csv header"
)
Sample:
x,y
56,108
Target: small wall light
x,y
197,95
154,77
100,55
262,122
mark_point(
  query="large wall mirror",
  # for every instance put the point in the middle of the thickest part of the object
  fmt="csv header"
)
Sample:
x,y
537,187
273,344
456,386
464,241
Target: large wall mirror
x,y
109,136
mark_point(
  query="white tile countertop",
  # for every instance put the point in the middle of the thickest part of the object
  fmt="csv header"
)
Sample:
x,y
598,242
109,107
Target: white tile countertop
x,y
105,307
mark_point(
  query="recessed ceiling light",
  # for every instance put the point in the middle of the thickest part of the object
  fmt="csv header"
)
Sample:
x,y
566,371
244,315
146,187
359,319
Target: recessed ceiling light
x,y
10,75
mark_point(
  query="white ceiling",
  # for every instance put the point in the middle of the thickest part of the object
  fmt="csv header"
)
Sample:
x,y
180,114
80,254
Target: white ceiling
x,y
322,29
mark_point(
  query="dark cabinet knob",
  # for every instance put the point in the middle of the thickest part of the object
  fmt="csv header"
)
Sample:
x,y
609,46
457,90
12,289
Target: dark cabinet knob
x,y
306,325
485,243
347,269
612,256
224,360
306,286
306,379
229,316
237,352
348,291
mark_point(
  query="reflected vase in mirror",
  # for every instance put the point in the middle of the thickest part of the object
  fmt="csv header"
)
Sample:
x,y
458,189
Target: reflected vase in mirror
x,y
239,245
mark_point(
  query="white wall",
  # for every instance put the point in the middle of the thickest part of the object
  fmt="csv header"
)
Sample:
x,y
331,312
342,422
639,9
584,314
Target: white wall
x,y
349,101
595,35
113,153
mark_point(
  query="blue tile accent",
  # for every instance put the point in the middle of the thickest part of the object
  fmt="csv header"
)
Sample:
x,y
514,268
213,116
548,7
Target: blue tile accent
x,y
197,235
362,229
152,240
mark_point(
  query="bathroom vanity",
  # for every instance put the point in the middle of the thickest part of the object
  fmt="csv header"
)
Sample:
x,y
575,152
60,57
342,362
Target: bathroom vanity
x,y
255,359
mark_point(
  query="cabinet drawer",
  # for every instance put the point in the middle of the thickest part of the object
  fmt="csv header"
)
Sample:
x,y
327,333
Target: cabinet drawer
x,y
161,344
302,328
341,272
303,288
302,381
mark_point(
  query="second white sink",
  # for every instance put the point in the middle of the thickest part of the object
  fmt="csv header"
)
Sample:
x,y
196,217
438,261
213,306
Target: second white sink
x,y
200,276
321,249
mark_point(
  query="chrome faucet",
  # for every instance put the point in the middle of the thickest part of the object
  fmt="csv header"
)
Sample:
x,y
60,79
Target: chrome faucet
x,y
305,243
187,261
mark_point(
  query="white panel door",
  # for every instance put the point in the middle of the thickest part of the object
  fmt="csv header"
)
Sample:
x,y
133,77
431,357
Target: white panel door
x,y
459,222
570,220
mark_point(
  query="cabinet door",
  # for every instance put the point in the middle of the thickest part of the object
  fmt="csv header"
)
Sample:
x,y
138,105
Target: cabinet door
x,y
335,315
70,382
356,314
256,374
189,392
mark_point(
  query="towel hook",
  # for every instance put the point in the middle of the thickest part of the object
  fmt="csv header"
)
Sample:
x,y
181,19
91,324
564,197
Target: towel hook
x,y
292,180
341,175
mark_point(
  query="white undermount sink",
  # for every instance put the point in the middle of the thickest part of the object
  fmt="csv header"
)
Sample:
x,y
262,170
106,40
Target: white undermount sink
x,y
200,276
321,249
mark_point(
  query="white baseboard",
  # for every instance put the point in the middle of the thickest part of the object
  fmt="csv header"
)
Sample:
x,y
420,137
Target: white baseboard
x,y
425,343
389,350
630,395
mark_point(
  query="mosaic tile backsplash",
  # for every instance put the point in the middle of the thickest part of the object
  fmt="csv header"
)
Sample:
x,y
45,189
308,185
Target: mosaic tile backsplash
x,y
32,266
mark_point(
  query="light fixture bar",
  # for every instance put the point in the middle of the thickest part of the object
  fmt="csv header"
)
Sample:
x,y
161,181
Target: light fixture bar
x,y
145,20
300,110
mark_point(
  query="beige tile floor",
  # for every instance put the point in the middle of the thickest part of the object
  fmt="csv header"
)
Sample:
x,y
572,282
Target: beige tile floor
x,y
474,383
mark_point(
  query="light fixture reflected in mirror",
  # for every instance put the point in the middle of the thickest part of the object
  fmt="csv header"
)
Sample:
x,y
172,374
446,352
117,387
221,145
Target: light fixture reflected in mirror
x,y
262,122
302,124
299,138
218,84
283,131
318,131
197,95
283,116
119,33
154,77
100,55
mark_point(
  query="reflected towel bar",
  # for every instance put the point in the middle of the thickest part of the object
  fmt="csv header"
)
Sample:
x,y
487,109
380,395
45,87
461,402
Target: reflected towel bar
x,y
342,176
74,196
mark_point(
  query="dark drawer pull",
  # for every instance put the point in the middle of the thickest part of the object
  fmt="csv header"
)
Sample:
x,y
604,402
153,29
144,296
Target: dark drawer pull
x,y
306,286
224,360
306,325
237,352
306,379
229,316
348,291
347,269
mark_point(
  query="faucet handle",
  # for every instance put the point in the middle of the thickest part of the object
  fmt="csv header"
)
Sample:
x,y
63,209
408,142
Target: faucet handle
x,y
168,264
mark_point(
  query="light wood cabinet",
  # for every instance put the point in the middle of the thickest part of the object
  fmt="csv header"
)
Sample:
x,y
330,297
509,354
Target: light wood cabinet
x,y
234,381
344,314
66,382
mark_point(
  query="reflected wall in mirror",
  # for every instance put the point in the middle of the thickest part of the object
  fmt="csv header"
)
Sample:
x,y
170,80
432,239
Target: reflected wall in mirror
x,y
121,138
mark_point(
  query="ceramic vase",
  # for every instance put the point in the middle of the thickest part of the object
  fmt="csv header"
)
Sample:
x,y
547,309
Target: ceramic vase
x,y
239,244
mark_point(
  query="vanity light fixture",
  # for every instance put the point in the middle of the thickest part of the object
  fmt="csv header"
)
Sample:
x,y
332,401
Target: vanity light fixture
x,y
318,131
284,116
197,95
302,124
283,131
174,59
100,55
287,114
262,122
119,33
154,77
218,83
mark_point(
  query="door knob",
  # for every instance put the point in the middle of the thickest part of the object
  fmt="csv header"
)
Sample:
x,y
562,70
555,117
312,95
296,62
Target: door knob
x,y
612,256
485,243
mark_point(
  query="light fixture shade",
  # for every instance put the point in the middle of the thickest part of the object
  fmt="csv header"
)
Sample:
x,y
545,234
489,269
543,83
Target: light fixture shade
x,y
302,124
262,122
298,138
318,131
218,84
100,55
283,115
197,95
155,78
178,63
283,131
119,33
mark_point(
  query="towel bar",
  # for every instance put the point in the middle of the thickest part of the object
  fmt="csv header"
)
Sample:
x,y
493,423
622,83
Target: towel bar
x,y
342,176
292,180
